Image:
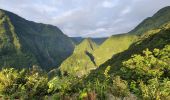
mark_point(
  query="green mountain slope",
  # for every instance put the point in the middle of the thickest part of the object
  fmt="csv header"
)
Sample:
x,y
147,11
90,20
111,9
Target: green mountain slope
x,y
156,21
81,61
154,37
44,44
117,44
10,47
157,38
113,45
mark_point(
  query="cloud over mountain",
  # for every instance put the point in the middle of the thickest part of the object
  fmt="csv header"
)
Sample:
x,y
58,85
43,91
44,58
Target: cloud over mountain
x,y
94,18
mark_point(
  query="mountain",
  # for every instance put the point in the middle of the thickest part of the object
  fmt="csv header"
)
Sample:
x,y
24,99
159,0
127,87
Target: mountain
x,y
99,41
113,45
155,37
81,61
156,21
118,43
25,43
78,40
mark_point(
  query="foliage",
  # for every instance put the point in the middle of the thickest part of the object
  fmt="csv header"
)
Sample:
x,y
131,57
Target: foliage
x,y
119,87
155,90
106,72
149,65
129,70
59,85
22,84
149,73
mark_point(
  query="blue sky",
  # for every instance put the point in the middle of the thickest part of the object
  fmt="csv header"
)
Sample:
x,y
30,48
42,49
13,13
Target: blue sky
x,y
86,18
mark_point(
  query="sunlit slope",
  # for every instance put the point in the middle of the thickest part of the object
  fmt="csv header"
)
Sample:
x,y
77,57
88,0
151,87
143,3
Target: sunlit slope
x,y
81,61
156,38
113,45
150,34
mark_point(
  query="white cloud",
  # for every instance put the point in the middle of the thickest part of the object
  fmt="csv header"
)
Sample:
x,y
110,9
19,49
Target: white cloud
x,y
86,17
125,11
107,4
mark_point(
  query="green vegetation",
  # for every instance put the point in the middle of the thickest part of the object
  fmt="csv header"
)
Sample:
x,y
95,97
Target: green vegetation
x,y
113,45
31,43
81,62
22,84
148,74
132,66
154,22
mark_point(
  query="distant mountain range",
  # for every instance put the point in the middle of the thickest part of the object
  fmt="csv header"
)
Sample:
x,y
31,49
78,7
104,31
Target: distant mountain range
x,y
78,40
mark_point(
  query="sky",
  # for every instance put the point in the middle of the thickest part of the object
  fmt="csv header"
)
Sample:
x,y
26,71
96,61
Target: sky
x,y
86,18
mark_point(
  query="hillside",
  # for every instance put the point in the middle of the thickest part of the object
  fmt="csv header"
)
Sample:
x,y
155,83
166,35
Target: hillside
x,y
156,21
129,66
156,35
119,43
143,69
152,39
29,43
81,61
113,45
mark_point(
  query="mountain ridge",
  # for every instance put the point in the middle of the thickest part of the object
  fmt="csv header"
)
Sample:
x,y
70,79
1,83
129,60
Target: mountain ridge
x,y
81,61
157,20
45,42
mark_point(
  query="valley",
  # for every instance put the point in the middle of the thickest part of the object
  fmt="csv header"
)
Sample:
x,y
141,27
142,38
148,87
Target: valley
x,y
39,62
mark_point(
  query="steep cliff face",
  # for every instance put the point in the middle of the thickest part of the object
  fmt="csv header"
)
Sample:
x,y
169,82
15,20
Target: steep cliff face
x,y
46,44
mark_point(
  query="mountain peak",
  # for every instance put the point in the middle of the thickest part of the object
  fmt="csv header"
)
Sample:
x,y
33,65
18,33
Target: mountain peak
x,y
86,45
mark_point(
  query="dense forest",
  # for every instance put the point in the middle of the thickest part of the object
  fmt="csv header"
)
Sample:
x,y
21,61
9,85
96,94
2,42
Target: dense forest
x,y
39,62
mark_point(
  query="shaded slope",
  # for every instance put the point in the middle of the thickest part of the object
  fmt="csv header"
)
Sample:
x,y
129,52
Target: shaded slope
x,y
10,46
78,40
46,43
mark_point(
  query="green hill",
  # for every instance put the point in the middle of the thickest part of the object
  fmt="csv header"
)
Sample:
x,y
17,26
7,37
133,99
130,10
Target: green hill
x,y
24,43
155,37
81,61
113,45
144,30
156,21
118,43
